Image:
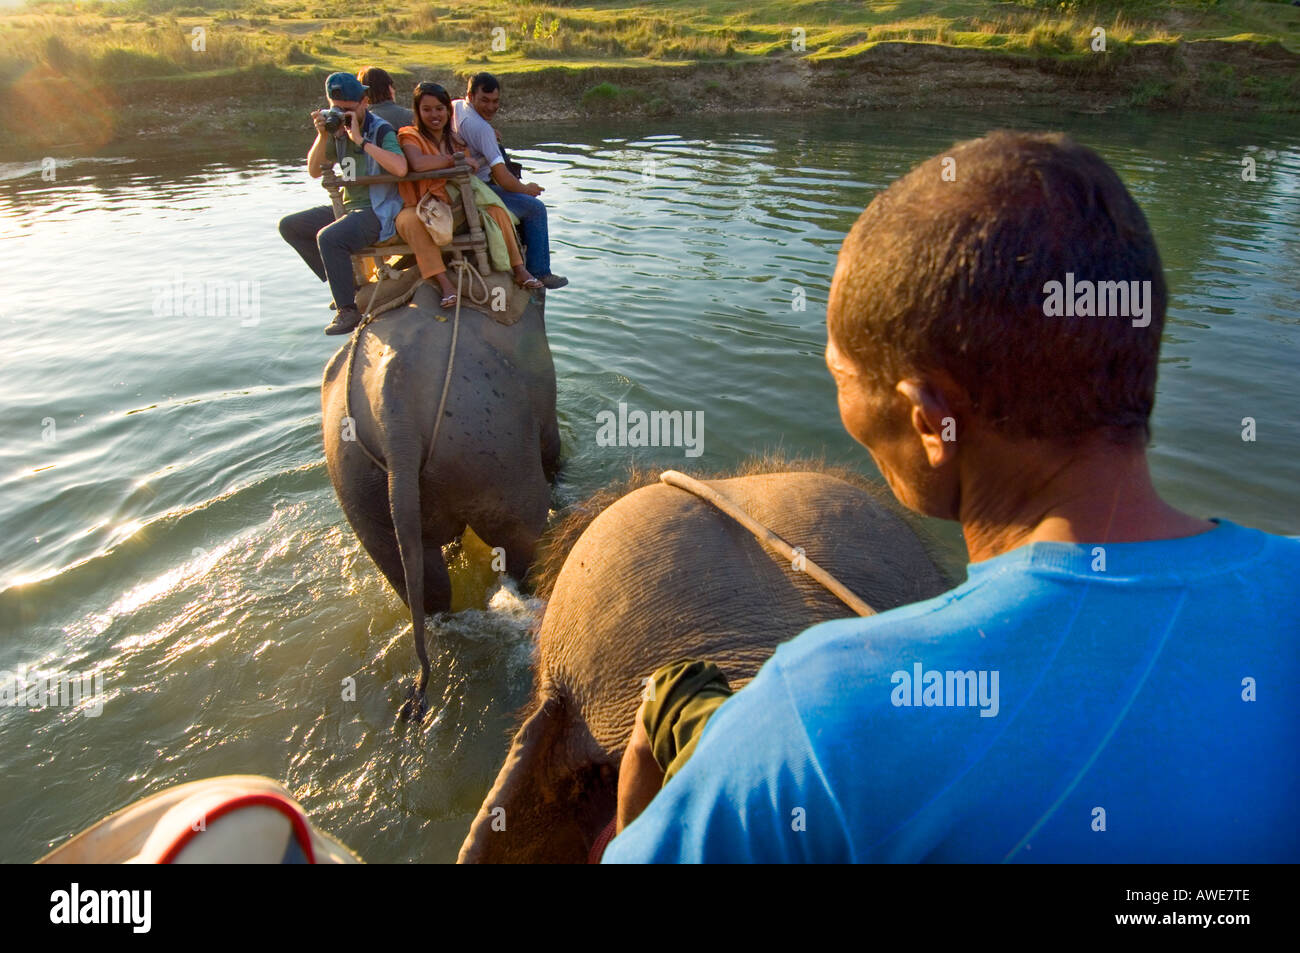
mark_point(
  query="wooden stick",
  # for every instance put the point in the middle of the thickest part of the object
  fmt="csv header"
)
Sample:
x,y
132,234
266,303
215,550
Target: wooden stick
x,y
476,233
446,173
766,536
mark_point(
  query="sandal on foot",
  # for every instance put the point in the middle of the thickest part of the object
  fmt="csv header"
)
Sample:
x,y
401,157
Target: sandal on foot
x,y
532,284
448,301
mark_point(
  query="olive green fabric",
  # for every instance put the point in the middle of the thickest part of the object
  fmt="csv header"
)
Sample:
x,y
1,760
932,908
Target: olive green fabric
x,y
681,698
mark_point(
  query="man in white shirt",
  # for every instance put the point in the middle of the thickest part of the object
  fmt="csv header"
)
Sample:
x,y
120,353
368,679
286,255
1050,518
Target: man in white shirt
x,y
471,121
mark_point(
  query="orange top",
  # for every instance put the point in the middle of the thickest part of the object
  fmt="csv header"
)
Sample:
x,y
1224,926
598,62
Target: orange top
x,y
412,192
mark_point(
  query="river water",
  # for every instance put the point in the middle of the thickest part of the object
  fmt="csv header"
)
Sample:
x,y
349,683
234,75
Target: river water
x,y
168,523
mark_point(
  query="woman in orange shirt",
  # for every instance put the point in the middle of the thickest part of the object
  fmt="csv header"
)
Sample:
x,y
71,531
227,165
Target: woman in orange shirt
x,y
428,145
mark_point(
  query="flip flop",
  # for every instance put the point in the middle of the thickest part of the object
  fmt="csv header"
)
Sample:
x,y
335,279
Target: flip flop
x,y
448,302
532,284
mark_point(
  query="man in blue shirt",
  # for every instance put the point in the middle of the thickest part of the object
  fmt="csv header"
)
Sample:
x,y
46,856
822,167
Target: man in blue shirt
x,y
1115,681
472,121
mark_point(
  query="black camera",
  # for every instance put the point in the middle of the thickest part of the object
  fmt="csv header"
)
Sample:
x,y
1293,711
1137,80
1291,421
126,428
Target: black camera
x,y
334,118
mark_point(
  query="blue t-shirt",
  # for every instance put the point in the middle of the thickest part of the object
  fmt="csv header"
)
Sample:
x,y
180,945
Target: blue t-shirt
x,y
1133,702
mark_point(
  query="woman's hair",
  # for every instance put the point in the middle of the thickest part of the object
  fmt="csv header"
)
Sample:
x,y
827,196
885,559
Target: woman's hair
x,y
444,141
379,82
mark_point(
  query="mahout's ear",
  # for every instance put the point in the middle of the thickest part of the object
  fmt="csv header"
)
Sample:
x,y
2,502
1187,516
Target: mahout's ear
x,y
933,416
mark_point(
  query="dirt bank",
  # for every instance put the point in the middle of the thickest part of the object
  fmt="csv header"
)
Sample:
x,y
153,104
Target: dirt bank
x,y
256,103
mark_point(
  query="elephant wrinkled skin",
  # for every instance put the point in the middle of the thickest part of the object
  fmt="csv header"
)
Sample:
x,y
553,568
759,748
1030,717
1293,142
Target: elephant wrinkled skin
x,y
497,448
658,576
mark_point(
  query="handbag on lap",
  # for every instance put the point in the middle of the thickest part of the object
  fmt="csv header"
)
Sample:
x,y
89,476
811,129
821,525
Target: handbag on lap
x,y
437,218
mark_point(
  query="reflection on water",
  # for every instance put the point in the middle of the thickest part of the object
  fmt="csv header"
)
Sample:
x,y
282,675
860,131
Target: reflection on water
x,y
169,523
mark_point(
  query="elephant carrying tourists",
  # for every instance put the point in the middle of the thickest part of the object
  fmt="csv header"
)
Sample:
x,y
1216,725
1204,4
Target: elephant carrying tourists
x,y
439,415
347,132
418,449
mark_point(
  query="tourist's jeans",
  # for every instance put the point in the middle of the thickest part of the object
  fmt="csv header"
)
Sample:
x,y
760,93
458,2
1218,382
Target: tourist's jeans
x,y
327,245
531,213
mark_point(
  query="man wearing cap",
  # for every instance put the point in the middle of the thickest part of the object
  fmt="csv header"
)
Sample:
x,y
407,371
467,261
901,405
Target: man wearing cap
x,y
327,245
471,121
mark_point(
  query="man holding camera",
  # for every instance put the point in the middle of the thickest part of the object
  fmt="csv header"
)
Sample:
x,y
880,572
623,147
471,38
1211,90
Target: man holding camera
x,y
363,144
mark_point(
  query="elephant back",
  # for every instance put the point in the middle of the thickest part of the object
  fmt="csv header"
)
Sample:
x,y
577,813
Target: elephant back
x,y
663,575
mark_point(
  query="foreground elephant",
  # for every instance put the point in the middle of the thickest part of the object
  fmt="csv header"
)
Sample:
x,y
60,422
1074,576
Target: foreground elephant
x,y
662,575
496,450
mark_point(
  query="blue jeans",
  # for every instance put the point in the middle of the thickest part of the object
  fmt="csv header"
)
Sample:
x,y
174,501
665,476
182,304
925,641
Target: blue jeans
x,y
531,213
327,246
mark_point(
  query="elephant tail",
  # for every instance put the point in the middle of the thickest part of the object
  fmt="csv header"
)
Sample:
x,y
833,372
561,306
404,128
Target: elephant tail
x,y
404,507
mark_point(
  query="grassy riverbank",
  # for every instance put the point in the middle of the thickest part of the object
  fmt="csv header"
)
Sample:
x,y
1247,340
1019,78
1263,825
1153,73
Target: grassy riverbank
x,y
80,74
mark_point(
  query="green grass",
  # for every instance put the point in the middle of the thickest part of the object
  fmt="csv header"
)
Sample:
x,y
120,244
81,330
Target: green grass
x,y
142,53
89,37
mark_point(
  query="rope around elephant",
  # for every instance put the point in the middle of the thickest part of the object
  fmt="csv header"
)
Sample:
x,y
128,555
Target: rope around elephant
x,y
462,266
770,539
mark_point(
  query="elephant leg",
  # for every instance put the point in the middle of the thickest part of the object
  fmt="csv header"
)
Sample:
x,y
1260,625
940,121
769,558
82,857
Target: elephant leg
x,y
437,581
516,522
380,543
550,448
517,537
439,529
378,539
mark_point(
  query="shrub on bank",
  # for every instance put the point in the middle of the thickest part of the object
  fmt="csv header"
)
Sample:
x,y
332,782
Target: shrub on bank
x,y
118,62
606,97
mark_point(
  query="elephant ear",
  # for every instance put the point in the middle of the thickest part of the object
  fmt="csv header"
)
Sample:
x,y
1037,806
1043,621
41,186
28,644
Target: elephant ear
x,y
530,815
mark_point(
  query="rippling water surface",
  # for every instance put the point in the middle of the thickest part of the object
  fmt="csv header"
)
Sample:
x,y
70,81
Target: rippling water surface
x,y
168,522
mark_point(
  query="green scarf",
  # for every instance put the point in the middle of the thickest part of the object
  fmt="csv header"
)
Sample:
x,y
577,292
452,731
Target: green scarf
x,y
483,197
